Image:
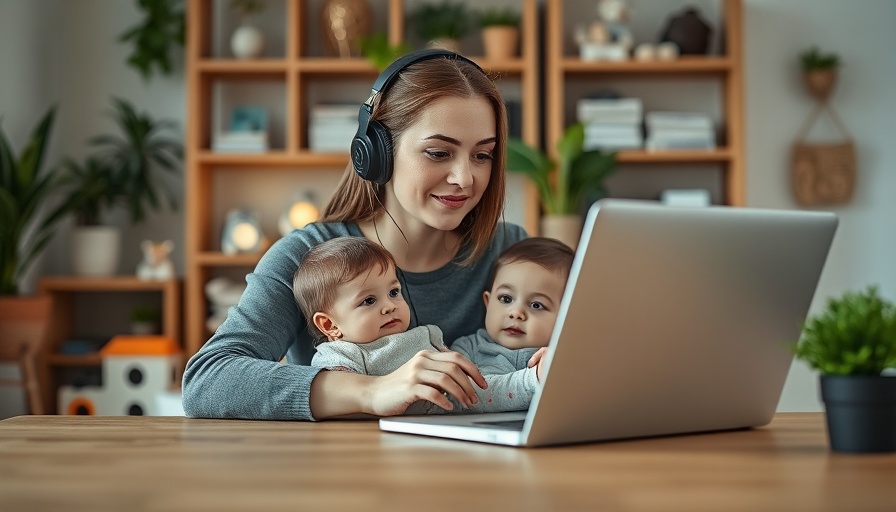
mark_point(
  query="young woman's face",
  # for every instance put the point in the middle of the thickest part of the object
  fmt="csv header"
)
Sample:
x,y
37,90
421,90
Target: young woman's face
x,y
370,306
443,164
522,306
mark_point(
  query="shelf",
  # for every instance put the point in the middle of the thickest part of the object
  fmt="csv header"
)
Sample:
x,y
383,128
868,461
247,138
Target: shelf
x,y
69,291
288,85
102,284
679,156
236,67
219,259
685,64
275,159
92,359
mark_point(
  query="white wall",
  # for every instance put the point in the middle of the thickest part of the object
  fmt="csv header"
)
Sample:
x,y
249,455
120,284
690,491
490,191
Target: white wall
x,y
862,33
66,52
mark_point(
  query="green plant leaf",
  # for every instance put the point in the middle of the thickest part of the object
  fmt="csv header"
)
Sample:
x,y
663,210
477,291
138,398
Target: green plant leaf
x,y
531,162
854,335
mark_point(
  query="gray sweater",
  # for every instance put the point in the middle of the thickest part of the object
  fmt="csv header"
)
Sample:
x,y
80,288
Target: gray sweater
x,y
237,373
508,389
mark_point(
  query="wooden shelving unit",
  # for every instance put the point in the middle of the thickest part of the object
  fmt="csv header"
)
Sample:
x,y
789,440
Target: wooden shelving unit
x,y
298,68
67,290
562,67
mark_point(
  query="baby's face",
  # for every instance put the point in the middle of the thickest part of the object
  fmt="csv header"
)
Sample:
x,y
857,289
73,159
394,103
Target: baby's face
x,y
522,305
370,306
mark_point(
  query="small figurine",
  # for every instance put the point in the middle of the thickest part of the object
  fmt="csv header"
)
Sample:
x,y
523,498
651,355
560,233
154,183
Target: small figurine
x,y
156,264
607,38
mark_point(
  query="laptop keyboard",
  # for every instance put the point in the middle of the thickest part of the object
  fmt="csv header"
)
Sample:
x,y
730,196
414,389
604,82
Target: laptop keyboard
x,y
502,424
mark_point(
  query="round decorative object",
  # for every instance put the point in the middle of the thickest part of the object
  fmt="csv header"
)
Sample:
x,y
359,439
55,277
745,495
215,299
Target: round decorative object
x,y
247,42
689,32
344,23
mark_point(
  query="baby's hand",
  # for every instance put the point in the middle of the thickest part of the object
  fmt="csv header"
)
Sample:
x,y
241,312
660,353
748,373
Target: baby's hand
x,y
536,360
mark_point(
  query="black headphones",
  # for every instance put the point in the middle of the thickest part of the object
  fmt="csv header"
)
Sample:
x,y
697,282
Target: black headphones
x,y
371,151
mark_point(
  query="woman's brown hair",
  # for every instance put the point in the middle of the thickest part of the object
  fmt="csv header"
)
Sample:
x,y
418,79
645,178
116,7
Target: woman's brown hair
x,y
416,87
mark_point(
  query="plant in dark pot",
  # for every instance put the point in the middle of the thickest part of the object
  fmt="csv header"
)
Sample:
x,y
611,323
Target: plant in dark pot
x,y
564,185
29,217
126,171
851,343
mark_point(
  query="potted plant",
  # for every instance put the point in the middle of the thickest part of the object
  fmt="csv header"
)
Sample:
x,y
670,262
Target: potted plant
x,y
123,172
500,32
247,41
26,186
377,49
441,25
819,72
145,320
565,184
156,37
851,343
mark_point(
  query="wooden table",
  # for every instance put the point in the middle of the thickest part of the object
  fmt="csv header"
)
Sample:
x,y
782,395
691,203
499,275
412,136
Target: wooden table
x,y
135,463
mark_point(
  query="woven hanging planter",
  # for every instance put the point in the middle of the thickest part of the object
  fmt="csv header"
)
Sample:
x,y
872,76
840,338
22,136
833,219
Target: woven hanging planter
x,y
823,173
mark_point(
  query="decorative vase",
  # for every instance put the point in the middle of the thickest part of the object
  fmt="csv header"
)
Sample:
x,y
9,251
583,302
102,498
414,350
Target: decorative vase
x,y
95,250
689,31
566,228
344,23
860,412
247,42
500,42
820,83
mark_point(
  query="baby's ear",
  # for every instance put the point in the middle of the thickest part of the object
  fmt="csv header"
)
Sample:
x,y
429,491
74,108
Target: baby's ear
x,y
485,296
325,325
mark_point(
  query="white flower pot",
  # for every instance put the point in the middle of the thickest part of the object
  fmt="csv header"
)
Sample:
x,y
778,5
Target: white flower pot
x,y
95,250
247,42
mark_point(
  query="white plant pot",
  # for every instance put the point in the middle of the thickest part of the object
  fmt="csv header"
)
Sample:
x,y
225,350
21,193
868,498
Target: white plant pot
x,y
96,250
247,42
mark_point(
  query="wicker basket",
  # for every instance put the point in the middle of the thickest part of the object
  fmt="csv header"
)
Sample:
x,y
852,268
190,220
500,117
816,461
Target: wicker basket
x,y
823,173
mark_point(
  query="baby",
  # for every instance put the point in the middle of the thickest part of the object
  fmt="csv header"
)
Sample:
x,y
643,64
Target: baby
x,y
348,291
528,281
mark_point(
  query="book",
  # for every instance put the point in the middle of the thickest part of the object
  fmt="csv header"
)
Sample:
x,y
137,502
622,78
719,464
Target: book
x,y
607,110
240,142
678,120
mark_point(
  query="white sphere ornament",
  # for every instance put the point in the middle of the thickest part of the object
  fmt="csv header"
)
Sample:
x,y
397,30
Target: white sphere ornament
x,y
247,42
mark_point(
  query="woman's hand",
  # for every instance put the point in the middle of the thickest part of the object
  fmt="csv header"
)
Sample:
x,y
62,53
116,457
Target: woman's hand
x,y
426,376
537,359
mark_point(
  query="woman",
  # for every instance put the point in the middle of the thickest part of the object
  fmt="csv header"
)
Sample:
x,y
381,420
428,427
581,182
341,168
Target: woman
x,y
438,127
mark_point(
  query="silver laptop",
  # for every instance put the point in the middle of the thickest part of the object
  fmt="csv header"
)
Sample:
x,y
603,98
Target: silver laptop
x,y
674,320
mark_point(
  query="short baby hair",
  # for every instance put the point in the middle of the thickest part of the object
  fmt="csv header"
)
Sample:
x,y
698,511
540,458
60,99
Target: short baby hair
x,y
548,253
330,264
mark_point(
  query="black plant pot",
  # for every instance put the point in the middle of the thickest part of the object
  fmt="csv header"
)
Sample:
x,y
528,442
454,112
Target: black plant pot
x,y
861,412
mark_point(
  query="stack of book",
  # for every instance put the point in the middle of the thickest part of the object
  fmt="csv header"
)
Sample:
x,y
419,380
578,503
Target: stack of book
x,y
679,130
332,127
611,123
248,131
240,142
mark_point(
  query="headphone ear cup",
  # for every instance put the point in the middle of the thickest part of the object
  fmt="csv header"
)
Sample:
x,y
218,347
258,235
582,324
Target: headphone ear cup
x,y
361,154
380,171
